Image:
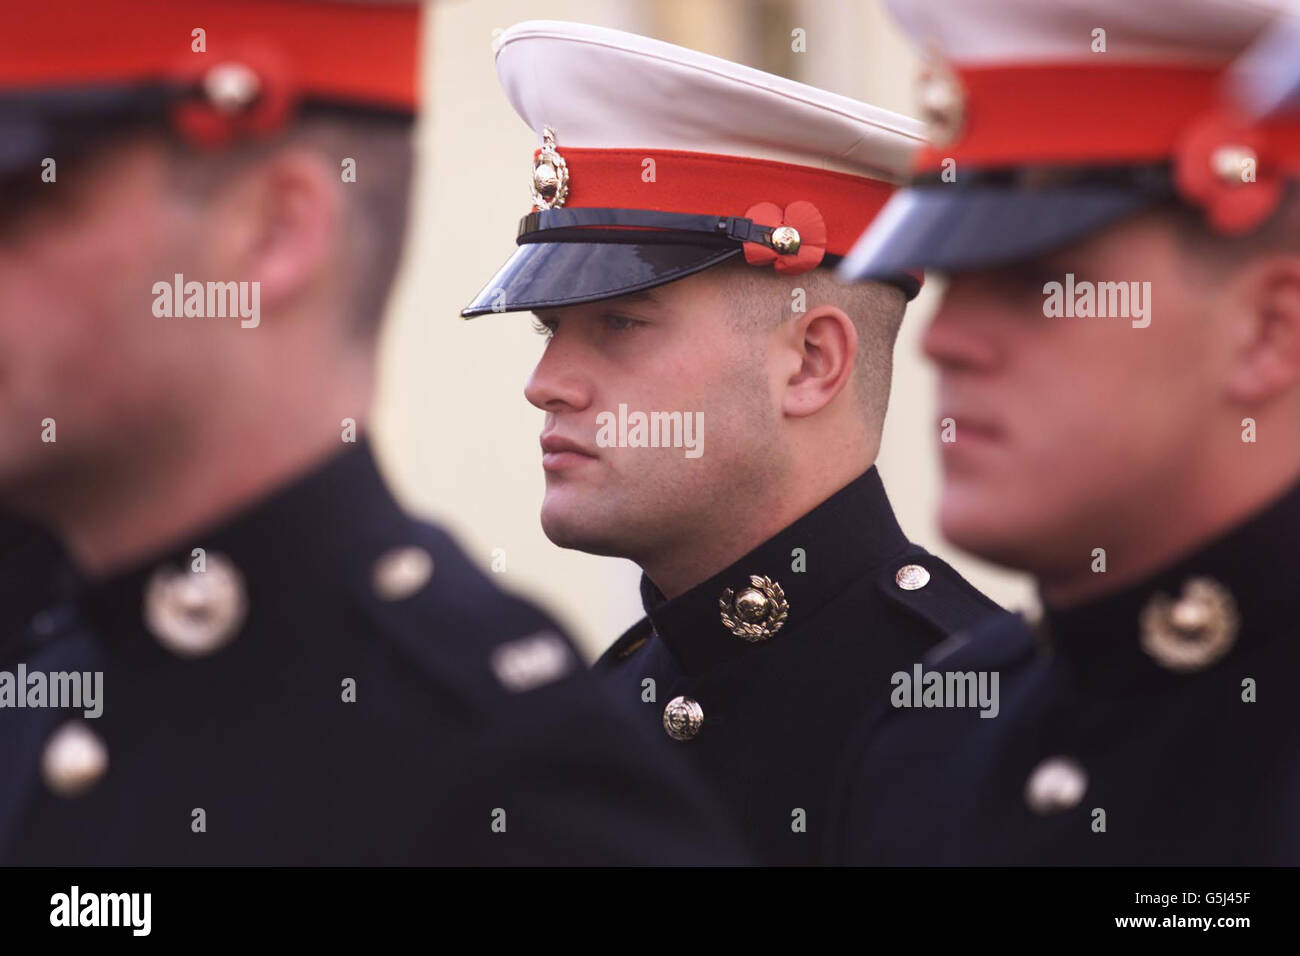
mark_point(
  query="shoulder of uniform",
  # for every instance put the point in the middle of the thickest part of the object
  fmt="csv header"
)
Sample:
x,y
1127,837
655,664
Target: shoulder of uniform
x,y
421,594
634,639
930,590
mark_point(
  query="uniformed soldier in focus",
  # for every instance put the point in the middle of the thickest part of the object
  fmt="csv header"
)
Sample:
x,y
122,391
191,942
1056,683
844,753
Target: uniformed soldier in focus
x,y
1136,452
678,263
293,669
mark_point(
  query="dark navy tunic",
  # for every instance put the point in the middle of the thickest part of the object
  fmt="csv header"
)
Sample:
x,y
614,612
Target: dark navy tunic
x,y
1158,725
474,737
776,712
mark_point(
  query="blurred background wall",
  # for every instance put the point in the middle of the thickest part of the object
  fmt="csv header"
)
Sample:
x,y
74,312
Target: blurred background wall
x,y
453,429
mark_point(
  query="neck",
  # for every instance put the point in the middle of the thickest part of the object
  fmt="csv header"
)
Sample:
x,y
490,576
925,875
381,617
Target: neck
x,y
1181,518
152,497
756,517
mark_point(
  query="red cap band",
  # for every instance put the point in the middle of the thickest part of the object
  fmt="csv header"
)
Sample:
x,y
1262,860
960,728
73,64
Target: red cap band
x,y
711,184
1125,114
363,53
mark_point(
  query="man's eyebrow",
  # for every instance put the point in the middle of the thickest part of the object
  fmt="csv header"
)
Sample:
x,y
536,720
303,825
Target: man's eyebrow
x,y
641,297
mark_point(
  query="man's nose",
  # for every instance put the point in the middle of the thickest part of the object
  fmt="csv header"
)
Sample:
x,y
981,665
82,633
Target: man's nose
x,y
559,381
961,335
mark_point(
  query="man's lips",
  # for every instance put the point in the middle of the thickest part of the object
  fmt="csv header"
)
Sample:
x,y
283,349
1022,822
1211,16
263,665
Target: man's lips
x,y
979,429
558,452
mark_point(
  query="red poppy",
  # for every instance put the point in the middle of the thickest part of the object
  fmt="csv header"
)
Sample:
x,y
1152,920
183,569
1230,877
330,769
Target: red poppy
x,y
204,123
1221,165
801,216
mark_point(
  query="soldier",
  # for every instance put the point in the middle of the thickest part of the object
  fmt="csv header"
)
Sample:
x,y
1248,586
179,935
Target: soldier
x,y
287,668
678,263
1136,453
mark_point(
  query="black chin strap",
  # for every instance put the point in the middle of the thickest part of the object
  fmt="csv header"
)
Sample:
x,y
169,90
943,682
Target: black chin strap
x,y
639,226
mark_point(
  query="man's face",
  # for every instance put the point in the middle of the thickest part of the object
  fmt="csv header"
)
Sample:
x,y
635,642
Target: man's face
x,y
1071,432
673,349
79,343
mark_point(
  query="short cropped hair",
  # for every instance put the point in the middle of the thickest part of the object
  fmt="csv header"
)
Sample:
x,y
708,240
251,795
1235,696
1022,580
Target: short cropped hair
x,y
763,298
376,204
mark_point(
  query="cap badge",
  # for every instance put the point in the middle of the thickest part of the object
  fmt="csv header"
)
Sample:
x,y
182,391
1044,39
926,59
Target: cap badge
x,y
757,612
797,241
550,184
942,102
1193,632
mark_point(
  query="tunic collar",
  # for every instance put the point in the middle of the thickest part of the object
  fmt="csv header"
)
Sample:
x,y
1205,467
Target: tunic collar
x,y
850,534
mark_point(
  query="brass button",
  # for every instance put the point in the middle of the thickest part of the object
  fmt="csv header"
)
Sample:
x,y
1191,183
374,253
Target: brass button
x,y
1057,784
231,87
194,613
786,240
1229,162
74,759
1193,632
402,573
757,612
533,661
683,718
912,577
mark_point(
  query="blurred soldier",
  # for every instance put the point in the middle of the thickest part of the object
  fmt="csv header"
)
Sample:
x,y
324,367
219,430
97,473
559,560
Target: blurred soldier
x,y
293,669
32,567
1119,358
677,263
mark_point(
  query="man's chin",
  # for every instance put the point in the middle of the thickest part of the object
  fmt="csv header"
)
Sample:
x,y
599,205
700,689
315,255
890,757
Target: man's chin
x,y
981,526
569,525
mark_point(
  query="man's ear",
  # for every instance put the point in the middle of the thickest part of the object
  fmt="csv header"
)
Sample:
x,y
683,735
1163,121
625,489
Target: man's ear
x,y
826,341
1266,294
280,221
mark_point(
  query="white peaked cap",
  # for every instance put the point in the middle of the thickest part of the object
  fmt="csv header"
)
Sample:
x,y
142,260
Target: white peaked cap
x,y
607,89
1052,119
657,162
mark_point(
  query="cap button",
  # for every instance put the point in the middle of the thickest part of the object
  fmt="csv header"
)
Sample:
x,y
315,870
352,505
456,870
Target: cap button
x,y
74,759
1228,163
786,240
683,718
231,87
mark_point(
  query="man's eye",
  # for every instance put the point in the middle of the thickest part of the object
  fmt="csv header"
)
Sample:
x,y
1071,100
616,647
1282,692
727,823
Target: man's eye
x,y
619,323
544,327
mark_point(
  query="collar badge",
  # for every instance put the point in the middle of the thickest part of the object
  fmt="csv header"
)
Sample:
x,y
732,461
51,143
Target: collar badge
x,y
757,612
1193,632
